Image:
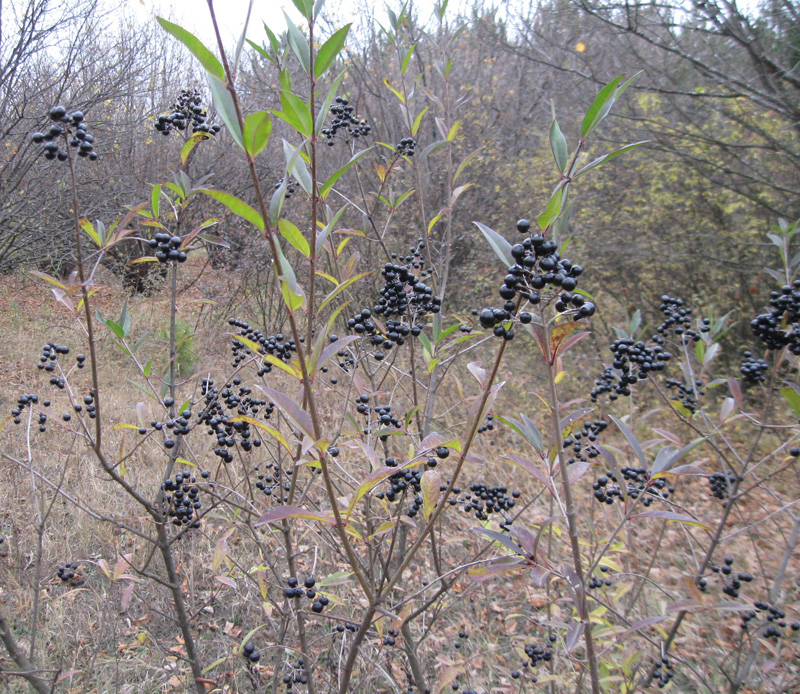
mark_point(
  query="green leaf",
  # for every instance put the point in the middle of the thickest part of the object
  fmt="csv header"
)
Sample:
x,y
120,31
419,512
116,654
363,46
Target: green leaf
x,y
602,104
326,187
299,44
155,199
293,235
223,104
553,209
793,398
257,127
406,59
295,113
608,157
238,207
207,59
558,143
500,246
329,51
87,226
418,120
304,7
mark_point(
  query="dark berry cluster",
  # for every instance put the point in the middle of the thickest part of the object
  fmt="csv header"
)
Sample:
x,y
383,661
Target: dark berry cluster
x,y
663,672
404,482
383,418
685,394
391,638
607,489
780,327
719,482
395,334
23,401
463,635
488,426
276,345
404,295
352,628
221,406
269,481
70,127
182,498
50,354
599,581
294,590
539,653
345,121
297,676
178,426
633,361
168,248
406,147
582,443
753,369
538,268
678,320
186,111
69,573
485,500
730,582
249,651
774,621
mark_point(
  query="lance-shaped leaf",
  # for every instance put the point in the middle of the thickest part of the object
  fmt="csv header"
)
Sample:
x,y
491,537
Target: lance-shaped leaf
x,y
299,44
429,484
207,59
496,567
294,236
238,207
257,127
562,337
558,144
602,104
504,540
531,468
224,106
329,51
336,175
296,414
500,246
632,440
608,157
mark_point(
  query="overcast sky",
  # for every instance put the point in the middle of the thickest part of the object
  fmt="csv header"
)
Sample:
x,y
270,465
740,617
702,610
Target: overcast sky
x,y
193,14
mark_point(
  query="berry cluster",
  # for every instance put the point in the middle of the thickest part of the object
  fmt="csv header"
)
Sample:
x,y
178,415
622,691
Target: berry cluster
x,y
168,248
276,345
719,483
686,395
296,677
26,400
402,481
780,327
582,442
220,406
463,635
486,500
50,354
404,295
384,418
663,672
634,361
187,110
396,332
391,638
269,481
344,120
678,321
753,369
537,266
774,621
182,499
406,147
607,490
598,581
294,590
73,129
69,573
538,654
249,651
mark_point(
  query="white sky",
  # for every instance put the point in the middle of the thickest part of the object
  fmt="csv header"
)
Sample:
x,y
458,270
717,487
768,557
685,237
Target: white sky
x,y
193,14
